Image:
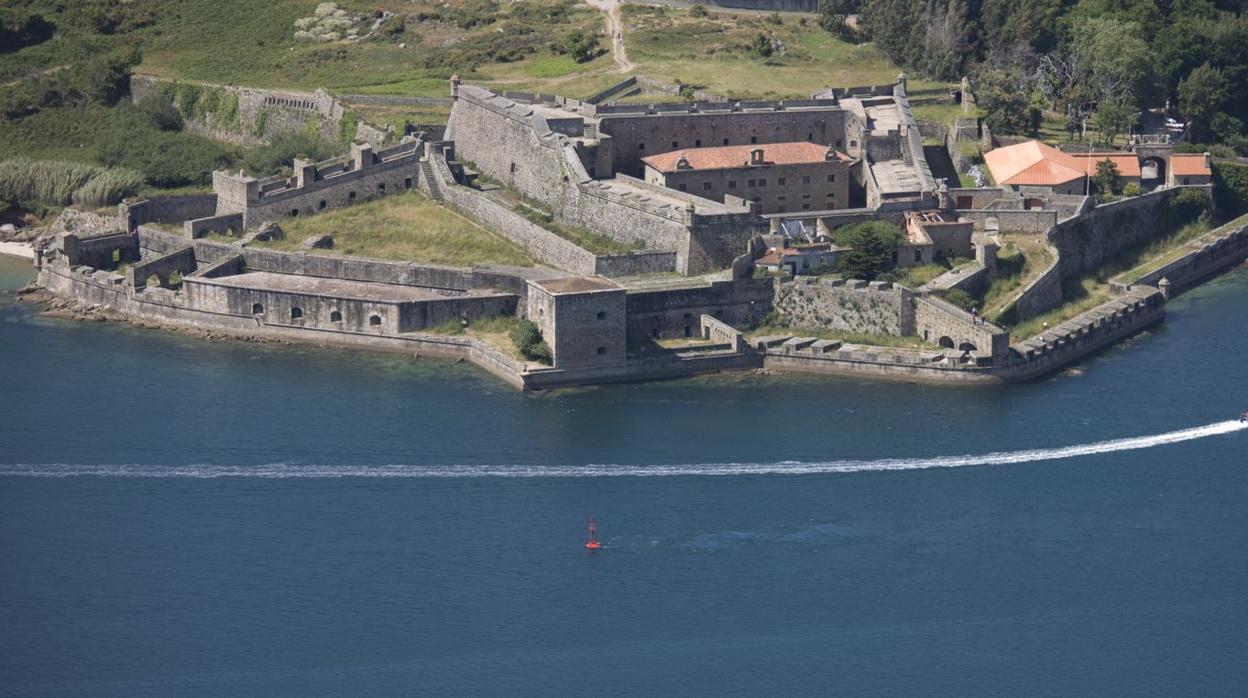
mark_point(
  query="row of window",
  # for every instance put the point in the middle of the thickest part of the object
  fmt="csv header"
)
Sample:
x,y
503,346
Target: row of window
x,y
381,189
697,143
296,313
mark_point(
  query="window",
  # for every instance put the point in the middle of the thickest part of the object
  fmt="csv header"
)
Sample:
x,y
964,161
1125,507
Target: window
x,y
320,205
750,183
513,168
381,188
806,179
374,320
918,256
697,143
257,309
600,351
805,207
781,198
641,146
688,331
407,182
294,212
838,142
725,141
1185,180
350,196
853,144
831,178
810,136
805,196
732,184
675,145
602,315
781,181
706,186
753,139
762,182
296,313
335,316
654,333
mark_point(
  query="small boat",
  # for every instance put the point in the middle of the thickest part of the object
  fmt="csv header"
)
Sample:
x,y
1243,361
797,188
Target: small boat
x,y
1243,417
593,543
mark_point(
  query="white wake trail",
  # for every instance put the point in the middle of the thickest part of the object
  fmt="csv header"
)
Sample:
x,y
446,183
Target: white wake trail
x,y
283,470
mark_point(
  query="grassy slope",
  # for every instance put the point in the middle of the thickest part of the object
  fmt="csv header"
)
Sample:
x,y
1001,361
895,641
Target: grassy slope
x,y
672,45
407,227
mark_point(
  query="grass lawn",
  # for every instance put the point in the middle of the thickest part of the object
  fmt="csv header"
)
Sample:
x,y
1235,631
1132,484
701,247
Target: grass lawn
x,y
406,227
1035,259
1162,252
875,340
1081,296
915,277
713,51
495,331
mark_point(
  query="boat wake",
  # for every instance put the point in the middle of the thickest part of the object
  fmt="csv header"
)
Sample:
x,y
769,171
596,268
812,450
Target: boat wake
x,y
287,470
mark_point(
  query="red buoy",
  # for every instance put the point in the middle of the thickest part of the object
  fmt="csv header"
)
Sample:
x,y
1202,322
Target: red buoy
x,y
593,543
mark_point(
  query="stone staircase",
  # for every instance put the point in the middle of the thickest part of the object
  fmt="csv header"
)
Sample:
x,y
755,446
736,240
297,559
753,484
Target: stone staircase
x,y
426,171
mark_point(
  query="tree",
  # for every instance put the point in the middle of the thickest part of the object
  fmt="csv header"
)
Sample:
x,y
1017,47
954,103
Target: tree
x,y
1201,95
1106,177
871,244
761,45
1113,117
1004,100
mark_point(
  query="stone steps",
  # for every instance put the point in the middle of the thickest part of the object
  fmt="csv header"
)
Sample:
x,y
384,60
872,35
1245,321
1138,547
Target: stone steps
x,y
426,171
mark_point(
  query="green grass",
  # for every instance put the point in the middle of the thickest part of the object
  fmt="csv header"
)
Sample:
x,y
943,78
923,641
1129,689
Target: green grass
x,y
495,331
1035,259
405,227
1165,251
712,51
875,340
914,277
1081,296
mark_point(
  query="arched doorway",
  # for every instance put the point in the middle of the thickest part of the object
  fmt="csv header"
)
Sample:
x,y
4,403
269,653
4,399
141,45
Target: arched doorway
x,y
1152,172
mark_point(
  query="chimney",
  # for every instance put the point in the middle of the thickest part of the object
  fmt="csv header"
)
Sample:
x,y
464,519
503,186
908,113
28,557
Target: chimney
x,y
1208,161
361,156
455,86
756,156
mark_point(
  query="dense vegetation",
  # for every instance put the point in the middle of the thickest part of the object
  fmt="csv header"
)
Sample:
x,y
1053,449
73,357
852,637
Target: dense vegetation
x,y
871,246
1087,63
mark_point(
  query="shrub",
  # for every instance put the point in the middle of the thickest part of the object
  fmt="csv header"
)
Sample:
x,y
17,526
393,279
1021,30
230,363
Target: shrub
x,y
872,244
528,341
960,298
161,112
1230,188
269,159
1186,206
1131,189
166,158
108,187
698,11
47,182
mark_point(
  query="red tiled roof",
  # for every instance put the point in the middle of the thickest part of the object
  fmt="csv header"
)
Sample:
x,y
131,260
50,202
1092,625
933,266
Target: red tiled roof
x,y
1035,163
731,156
1189,165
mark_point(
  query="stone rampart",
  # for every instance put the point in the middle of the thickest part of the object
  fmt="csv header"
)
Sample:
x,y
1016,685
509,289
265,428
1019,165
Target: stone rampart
x,y
722,333
1012,221
1212,253
181,260
227,224
1088,241
100,251
848,306
676,313
261,114
950,327
634,263
509,280
166,209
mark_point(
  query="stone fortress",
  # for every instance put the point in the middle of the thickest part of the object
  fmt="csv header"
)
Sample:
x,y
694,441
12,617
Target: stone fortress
x,y
672,182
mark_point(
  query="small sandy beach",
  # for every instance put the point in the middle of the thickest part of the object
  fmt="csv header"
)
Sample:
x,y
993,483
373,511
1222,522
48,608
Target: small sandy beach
x,y
17,249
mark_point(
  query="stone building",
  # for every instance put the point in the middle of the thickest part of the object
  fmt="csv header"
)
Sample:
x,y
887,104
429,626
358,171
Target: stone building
x,y
801,259
776,177
941,237
583,320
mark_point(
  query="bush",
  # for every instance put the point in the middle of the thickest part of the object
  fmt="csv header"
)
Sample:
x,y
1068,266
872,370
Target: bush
x,y
108,187
166,158
698,11
1131,189
960,298
1186,206
872,244
161,112
277,155
528,341
1230,188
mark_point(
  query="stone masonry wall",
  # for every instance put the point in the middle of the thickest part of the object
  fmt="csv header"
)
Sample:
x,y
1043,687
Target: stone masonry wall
x,y
853,306
675,313
166,209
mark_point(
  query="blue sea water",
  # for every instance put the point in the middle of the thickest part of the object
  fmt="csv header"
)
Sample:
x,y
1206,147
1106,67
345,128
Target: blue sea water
x,y
141,555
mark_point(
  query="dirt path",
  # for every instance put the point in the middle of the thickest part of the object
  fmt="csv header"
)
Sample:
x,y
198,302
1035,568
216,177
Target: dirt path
x,y
615,29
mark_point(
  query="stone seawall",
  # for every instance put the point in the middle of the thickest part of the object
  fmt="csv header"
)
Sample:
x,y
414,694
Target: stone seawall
x,y
848,306
1212,253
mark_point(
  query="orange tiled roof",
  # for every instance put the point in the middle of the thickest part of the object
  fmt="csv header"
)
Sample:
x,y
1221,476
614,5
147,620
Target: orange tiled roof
x,y
1035,163
1189,165
731,156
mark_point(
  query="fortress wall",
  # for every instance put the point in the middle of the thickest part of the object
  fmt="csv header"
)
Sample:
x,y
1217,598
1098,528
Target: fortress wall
x,y
660,131
181,260
1088,241
1029,221
343,267
853,306
397,176
227,223
665,314
540,242
1041,295
630,264
935,319
166,209
1213,253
